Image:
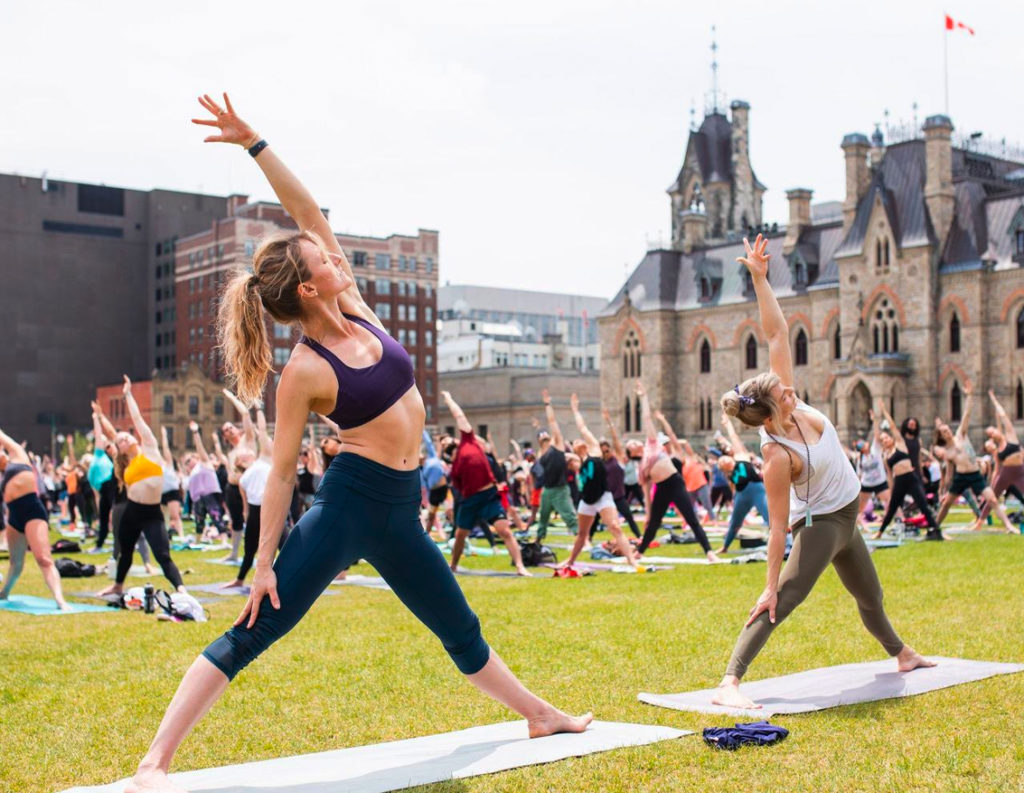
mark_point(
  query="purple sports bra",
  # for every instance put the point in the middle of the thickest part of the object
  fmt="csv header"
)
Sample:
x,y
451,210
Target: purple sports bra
x,y
365,393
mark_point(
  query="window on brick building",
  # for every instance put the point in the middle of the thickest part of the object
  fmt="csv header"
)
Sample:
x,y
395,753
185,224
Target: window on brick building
x,y
705,357
401,312
429,386
428,314
701,422
955,402
412,337
193,406
382,310
168,404
637,417
751,352
401,337
358,258
1020,330
428,361
885,330
800,348
428,338
628,416
954,333
412,313
631,355
1019,401
218,406
382,261
281,356
383,286
428,264
837,344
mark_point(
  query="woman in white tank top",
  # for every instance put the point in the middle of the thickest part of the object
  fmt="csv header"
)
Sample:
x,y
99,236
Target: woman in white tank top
x,y
812,490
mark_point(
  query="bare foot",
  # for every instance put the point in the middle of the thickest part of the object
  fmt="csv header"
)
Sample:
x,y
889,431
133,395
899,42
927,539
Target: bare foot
x,y
523,572
909,658
64,606
233,584
728,695
713,557
556,721
877,535
152,782
150,570
113,589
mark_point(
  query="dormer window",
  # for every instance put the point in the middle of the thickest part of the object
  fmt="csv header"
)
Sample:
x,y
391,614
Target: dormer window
x,y
799,274
705,288
708,276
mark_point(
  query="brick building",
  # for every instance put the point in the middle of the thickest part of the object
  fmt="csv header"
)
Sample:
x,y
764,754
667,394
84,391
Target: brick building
x,y
397,276
907,290
86,279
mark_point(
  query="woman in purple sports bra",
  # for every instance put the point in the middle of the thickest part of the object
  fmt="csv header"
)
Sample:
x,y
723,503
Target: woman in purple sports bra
x,y
367,506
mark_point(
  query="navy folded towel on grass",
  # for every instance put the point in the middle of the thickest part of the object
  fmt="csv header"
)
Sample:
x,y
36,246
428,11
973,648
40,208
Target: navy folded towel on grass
x,y
758,733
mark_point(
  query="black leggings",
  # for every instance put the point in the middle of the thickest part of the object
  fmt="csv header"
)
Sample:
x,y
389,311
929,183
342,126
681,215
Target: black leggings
x,y
635,492
236,508
108,492
362,510
672,491
252,540
904,485
622,505
145,519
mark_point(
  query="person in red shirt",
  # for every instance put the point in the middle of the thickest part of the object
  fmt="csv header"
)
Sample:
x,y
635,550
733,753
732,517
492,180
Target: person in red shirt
x,y
479,501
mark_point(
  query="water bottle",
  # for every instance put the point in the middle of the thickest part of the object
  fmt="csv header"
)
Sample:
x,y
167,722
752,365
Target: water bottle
x,y
148,599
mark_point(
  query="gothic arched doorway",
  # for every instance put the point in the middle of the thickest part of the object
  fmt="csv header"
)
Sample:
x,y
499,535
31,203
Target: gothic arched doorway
x,y
858,422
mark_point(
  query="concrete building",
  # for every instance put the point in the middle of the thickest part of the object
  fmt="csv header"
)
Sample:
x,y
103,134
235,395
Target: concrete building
x,y
909,290
396,275
500,347
86,277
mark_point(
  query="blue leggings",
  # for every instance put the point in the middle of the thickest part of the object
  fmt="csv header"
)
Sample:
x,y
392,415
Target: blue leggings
x,y
750,497
362,510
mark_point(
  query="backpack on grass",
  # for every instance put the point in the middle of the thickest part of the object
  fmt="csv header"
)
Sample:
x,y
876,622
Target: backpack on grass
x,y
70,568
535,554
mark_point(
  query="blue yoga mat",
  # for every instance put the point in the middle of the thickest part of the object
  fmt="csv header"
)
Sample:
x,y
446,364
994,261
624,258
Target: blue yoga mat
x,y
44,607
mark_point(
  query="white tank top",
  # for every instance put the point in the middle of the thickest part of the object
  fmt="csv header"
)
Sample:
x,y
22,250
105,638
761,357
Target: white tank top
x,y
833,482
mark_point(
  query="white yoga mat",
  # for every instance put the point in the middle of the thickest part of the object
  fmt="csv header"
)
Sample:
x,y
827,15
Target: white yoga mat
x,y
833,686
756,556
368,581
417,761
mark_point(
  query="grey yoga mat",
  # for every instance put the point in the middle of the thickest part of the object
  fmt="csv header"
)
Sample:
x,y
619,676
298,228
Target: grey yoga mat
x,y
819,689
416,761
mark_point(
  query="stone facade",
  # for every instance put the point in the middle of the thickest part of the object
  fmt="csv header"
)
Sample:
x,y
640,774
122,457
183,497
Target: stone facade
x,y
928,231
506,400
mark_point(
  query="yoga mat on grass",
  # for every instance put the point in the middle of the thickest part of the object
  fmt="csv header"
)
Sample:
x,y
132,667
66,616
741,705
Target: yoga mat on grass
x,y
819,689
218,589
43,607
416,761
757,556
368,581
487,573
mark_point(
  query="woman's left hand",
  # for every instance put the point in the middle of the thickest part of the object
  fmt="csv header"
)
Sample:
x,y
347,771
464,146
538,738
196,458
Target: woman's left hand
x,y
232,128
767,602
126,389
756,259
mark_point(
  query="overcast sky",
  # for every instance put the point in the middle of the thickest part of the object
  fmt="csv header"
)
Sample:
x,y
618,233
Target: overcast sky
x,y
537,137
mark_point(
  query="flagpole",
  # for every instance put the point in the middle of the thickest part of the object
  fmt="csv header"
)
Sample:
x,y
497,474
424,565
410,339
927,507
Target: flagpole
x,y
945,65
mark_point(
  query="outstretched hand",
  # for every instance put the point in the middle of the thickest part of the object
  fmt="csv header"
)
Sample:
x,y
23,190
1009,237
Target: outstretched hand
x,y
639,388
574,403
756,259
232,128
126,389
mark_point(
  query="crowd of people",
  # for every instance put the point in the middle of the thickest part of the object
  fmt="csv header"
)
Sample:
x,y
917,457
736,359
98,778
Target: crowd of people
x,y
380,488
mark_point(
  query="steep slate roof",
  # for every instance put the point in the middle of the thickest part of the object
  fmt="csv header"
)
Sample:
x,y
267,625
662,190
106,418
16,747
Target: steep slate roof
x,y
899,182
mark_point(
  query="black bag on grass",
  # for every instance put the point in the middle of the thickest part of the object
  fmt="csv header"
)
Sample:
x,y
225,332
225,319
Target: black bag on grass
x,y
71,568
65,546
535,554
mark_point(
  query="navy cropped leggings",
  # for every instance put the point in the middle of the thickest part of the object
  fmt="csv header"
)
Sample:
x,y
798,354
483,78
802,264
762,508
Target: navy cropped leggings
x,y
362,510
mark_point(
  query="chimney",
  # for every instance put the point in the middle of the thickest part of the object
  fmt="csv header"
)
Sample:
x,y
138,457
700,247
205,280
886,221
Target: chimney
x,y
235,202
695,229
877,147
855,146
938,184
799,216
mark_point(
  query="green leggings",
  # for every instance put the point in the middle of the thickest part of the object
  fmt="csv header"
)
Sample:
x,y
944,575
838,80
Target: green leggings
x,y
834,539
559,500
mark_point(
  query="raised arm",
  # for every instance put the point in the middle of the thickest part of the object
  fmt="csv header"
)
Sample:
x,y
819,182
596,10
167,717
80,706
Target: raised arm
x,y
897,436
197,439
673,441
553,428
773,323
218,451
70,441
460,418
248,431
645,412
141,427
429,449
293,195
734,438
1002,420
965,421
517,450
588,437
266,442
100,439
334,428
617,449
14,449
166,447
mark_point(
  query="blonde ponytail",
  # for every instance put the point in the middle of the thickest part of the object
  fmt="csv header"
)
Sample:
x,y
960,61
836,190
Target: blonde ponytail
x,y
277,270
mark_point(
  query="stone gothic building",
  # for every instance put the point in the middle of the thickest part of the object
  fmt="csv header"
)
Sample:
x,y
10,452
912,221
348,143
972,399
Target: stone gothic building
x,y
909,290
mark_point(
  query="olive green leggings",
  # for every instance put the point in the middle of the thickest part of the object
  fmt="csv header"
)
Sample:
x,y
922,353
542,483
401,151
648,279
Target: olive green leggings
x,y
832,538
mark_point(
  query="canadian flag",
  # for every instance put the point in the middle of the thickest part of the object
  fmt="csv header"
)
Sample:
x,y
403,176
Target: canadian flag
x,y
954,24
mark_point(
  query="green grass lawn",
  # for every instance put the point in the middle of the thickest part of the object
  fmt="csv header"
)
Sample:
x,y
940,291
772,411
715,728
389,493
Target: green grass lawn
x,y
80,696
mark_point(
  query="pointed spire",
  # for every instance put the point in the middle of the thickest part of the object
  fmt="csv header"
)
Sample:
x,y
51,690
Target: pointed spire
x,y
715,99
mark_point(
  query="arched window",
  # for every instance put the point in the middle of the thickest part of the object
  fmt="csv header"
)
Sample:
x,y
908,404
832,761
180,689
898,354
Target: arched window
x,y
800,348
1020,401
628,423
631,355
711,421
955,402
705,357
878,254
638,423
837,344
886,249
703,420
751,352
885,331
1020,330
954,333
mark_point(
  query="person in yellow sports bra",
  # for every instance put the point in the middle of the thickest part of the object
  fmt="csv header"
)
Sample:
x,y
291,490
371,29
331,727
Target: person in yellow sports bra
x,y
138,471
